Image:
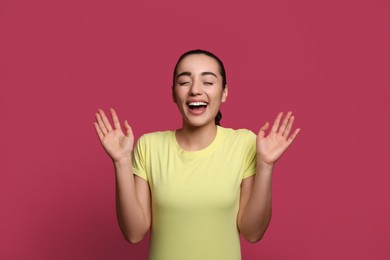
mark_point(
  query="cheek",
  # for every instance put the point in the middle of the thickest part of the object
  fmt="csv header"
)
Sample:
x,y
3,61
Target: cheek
x,y
217,93
178,93
178,97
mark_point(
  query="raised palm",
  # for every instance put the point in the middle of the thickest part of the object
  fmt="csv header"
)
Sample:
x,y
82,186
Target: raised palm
x,y
271,147
117,144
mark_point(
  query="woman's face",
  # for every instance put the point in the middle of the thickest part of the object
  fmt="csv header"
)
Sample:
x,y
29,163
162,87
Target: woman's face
x,y
198,90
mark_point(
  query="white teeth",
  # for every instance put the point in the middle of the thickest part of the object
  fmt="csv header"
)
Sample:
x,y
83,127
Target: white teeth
x,y
197,104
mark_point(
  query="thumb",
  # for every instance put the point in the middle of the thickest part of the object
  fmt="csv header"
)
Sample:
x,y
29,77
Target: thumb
x,y
128,130
262,130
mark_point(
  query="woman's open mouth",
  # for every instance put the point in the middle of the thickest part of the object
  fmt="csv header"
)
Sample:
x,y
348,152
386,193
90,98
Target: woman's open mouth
x,y
197,107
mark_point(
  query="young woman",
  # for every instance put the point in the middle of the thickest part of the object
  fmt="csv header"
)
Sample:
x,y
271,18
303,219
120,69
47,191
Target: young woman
x,y
200,186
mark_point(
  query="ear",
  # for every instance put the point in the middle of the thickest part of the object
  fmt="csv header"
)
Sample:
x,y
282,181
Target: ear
x,y
173,95
224,94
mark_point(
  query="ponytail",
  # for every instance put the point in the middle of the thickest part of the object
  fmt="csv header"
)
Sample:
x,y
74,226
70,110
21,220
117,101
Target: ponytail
x,y
218,118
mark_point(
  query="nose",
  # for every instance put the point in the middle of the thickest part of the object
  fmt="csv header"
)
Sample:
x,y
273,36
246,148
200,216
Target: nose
x,y
196,88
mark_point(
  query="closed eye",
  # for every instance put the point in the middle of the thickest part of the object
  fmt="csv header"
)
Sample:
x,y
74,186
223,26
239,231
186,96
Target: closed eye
x,y
208,83
183,83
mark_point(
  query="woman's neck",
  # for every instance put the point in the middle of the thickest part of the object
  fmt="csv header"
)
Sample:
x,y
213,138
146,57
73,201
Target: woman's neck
x,y
196,138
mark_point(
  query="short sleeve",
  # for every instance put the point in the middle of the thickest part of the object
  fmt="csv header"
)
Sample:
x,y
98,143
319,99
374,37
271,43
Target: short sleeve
x,y
138,159
249,163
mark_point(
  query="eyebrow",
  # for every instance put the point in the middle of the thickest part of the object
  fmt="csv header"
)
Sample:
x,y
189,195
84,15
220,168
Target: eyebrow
x,y
187,73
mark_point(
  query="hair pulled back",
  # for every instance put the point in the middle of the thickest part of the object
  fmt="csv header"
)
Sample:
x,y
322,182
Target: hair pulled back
x,y
220,67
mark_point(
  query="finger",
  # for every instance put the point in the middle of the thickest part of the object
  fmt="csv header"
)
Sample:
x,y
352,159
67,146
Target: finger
x,y
129,131
292,137
288,127
99,132
276,123
101,124
105,120
262,130
284,124
115,119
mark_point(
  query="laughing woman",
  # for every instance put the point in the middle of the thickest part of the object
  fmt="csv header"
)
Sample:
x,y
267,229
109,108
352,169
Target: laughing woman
x,y
198,187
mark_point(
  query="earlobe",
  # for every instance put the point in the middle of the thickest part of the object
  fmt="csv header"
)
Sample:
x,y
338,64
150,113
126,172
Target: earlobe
x,y
225,93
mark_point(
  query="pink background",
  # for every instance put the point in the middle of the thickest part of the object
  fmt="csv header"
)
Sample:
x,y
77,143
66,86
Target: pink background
x,y
327,61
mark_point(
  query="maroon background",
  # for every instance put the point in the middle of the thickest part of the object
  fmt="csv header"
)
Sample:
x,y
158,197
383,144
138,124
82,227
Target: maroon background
x,y
327,61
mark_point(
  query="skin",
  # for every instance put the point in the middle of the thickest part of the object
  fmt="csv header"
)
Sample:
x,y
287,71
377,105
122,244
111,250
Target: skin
x,y
255,209
133,199
198,78
132,192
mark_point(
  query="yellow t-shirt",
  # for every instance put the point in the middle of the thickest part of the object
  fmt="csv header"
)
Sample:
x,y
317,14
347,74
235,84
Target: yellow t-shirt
x,y
195,194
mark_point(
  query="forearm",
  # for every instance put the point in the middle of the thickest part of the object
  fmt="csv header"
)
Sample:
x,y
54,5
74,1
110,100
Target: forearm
x,y
130,215
257,213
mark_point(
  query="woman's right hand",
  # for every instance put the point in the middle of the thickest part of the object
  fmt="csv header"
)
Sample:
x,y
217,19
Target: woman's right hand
x,y
117,144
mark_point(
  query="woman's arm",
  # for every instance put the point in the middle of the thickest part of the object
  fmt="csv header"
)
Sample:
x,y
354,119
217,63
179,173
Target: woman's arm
x,y
255,210
132,202
132,193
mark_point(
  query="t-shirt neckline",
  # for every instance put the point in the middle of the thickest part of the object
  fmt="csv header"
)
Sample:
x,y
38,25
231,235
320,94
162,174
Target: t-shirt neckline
x,y
199,153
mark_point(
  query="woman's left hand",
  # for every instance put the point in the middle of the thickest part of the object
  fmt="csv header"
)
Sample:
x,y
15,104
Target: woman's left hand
x,y
271,147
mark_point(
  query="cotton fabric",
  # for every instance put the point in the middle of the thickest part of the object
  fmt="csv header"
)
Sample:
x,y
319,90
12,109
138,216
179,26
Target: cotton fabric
x,y
195,194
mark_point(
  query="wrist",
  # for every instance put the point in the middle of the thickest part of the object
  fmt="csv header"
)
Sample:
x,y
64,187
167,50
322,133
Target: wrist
x,y
265,165
124,162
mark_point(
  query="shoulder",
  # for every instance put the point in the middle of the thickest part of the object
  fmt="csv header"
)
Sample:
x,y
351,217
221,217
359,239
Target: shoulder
x,y
157,135
243,142
241,133
155,138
